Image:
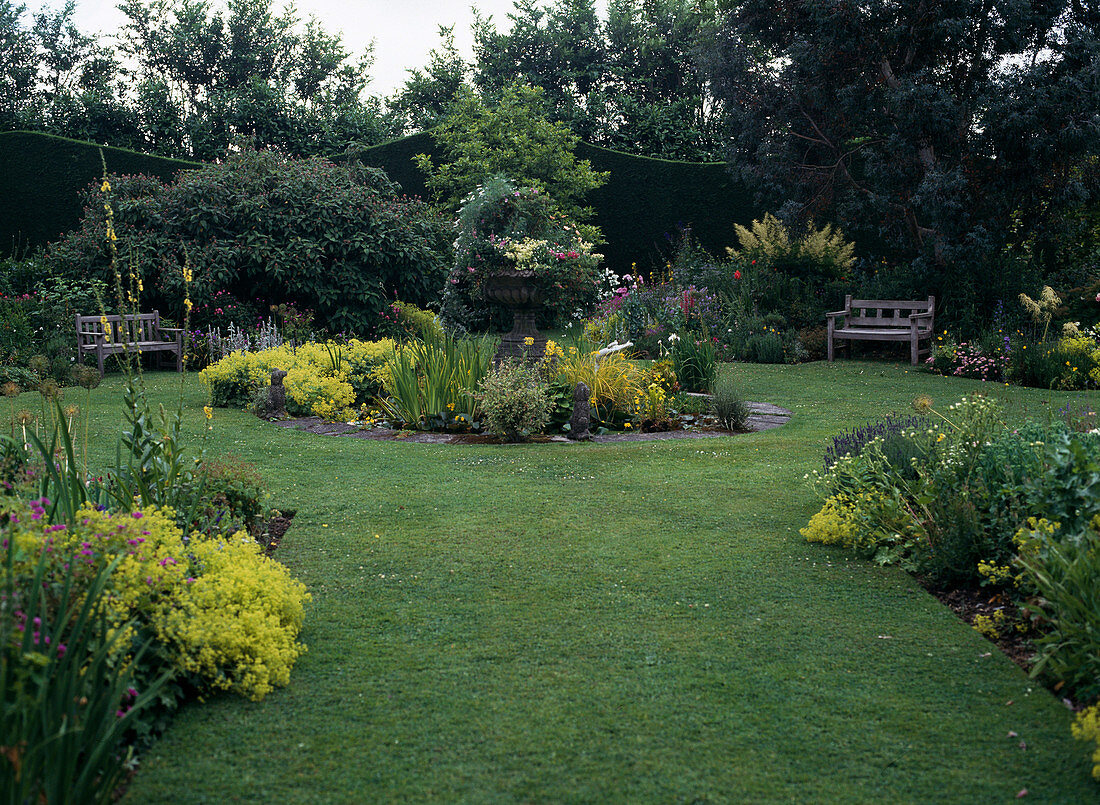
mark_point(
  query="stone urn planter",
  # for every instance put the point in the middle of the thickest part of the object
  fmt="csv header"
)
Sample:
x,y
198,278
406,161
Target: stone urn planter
x,y
517,291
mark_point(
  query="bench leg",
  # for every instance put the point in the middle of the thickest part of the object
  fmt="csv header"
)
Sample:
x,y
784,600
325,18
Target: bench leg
x,y
99,359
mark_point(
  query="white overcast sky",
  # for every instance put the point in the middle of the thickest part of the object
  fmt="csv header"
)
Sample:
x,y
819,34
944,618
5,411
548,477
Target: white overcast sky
x,y
403,30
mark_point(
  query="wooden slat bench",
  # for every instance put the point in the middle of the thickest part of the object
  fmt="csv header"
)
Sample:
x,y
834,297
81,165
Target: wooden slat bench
x,y
139,332
884,320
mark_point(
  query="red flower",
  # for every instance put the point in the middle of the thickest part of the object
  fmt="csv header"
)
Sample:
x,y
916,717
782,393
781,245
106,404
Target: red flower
x,y
737,275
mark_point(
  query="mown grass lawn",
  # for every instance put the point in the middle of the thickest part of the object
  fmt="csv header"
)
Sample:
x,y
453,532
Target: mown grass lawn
x,y
637,622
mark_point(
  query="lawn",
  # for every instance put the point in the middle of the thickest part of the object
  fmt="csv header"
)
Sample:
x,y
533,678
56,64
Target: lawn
x,y
634,622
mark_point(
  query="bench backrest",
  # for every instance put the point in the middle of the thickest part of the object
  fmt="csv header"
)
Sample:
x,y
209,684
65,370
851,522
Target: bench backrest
x,y
127,329
887,312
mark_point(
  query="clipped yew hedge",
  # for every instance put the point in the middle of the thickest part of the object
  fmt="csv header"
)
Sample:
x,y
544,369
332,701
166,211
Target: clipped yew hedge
x,y
42,177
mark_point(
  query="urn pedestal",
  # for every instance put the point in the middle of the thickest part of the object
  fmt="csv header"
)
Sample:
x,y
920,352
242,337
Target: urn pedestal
x,y
518,293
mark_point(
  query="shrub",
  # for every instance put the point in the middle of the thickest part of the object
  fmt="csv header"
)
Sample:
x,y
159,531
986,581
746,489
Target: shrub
x,y
1086,727
728,405
815,253
233,493
514,400
968,360
338,240
833,525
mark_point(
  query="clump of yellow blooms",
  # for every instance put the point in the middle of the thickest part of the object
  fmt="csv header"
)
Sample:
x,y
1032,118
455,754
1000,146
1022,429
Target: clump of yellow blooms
x,y
236,624
221,610
613,380
994,573
1086,727
315,383
991,626
833,525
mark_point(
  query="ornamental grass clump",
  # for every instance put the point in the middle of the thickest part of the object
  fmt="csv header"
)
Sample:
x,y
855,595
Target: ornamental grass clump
x,y
515,401
728,404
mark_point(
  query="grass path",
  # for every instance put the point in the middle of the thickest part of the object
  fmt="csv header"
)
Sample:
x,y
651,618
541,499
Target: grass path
x,y
610,623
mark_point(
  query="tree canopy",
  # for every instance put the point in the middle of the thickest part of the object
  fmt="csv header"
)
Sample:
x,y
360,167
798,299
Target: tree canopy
x,y
188,79
926,124
513,138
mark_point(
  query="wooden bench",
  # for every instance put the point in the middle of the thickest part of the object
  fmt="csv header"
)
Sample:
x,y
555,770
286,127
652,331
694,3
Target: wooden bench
x,y
884,320
140,332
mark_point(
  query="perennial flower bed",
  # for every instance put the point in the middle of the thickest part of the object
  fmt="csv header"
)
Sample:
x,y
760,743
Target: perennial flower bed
x,y
966,503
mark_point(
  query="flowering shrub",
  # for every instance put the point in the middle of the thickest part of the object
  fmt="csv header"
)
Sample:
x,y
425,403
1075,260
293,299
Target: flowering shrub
x,y
969,360
236,624
323,379
1086,727
337,239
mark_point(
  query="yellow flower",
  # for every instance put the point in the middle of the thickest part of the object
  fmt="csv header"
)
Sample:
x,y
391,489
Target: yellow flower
x,y
187,305
529,341
208,411
105,187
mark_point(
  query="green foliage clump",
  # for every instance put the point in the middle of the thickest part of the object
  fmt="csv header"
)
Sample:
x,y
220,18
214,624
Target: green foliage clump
x,y
1063,564
515,400
337,240
431,382
695,361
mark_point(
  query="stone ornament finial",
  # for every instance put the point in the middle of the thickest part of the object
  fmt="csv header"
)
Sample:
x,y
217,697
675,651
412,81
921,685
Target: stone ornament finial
x,y
581,420
276,395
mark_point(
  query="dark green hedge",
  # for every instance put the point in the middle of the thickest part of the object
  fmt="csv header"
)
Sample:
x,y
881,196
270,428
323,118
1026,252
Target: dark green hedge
x,y
646,201
396,159
640,210
41,177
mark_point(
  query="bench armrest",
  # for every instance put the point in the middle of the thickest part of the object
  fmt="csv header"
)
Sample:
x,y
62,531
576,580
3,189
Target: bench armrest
x,y
171,329
926,315
837,314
